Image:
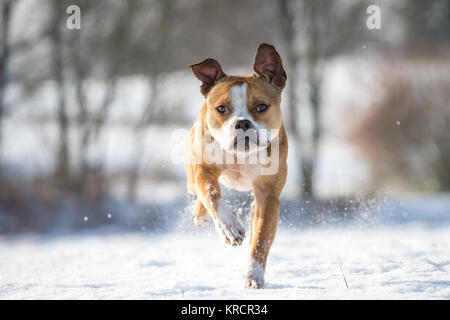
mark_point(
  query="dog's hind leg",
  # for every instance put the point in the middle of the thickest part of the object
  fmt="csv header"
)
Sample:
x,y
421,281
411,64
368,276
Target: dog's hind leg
x,y
200,214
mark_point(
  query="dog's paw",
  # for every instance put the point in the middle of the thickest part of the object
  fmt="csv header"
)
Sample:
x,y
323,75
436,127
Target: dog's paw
x,y
250,283
254,278
201,220
233,233
228,226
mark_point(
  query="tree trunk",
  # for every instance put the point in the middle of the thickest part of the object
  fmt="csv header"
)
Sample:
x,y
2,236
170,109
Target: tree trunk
x,y
4,57
62,156
139,141
289,33
314,80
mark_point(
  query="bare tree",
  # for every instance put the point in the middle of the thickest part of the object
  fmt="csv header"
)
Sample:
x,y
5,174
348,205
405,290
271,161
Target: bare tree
x,y
307,143
314,75
105,55
159,53
56,36
288,17
5,11
91,119
306,28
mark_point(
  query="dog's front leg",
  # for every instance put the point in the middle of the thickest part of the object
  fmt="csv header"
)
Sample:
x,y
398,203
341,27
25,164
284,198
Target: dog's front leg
x,y
264,225
208,191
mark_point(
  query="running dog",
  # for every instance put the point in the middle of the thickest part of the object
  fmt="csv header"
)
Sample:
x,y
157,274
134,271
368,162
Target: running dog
x,y
239,140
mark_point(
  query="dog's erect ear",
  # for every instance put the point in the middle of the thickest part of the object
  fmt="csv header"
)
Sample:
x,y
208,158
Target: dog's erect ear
x,y
208,72
268,64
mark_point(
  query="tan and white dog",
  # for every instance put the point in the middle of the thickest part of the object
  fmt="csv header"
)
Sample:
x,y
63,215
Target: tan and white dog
x,y
239,139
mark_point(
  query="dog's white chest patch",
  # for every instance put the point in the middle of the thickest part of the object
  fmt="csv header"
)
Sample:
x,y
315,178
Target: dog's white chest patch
x,y
235,180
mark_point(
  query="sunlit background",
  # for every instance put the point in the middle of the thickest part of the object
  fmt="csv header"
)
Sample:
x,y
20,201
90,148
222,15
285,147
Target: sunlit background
x,y
88,115
93,199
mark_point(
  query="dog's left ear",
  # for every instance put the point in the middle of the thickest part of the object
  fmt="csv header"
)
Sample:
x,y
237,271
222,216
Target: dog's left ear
x,y
268,64
208,72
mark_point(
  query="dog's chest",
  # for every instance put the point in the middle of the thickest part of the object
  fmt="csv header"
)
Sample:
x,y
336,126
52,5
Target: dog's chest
x,y
239,178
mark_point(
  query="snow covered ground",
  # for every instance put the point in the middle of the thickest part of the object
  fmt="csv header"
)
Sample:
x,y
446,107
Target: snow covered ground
x,y
408,257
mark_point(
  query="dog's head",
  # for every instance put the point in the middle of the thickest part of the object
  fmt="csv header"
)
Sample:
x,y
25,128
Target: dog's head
x,y
243,112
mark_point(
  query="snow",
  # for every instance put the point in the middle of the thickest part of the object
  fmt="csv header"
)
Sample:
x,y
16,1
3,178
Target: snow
x,y
407,257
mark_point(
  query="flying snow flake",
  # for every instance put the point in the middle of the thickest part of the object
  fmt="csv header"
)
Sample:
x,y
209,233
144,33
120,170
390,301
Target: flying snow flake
x,y
86,219
398,123
109,216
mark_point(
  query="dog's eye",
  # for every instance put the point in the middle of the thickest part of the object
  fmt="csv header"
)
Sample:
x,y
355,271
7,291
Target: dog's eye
x,y
221,109
261,107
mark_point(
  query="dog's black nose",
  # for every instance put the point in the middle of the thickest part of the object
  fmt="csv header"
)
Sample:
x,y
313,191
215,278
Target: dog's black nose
x,y
243,124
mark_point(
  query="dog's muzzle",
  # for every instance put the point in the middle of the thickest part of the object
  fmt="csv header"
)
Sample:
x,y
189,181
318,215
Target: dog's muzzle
x,y
246,140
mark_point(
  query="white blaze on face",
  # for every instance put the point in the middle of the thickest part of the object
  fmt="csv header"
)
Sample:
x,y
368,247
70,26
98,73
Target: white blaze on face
x,y
225,136
238,95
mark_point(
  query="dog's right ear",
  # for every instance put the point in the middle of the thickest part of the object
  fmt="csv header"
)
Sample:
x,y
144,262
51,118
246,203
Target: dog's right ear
x,y
268,64
208,72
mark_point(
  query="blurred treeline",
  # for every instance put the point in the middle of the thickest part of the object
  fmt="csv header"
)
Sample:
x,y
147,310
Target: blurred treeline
x,y
156,38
